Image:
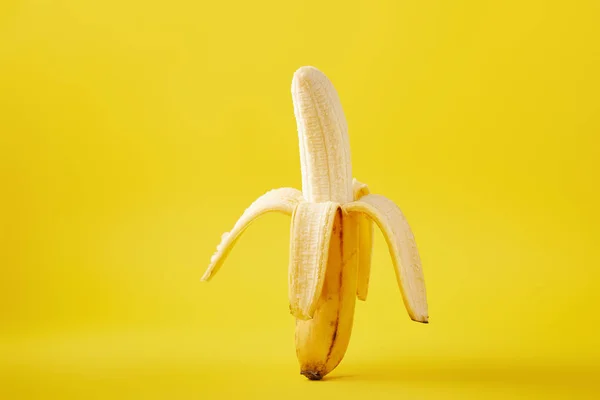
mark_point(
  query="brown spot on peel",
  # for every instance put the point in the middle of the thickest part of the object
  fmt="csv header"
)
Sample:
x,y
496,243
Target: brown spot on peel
x,y
337,319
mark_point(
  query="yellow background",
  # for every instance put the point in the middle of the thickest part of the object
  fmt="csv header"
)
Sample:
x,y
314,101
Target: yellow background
x,y
132,134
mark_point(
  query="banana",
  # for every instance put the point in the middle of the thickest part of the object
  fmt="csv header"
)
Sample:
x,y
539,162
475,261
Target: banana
x,y
331,232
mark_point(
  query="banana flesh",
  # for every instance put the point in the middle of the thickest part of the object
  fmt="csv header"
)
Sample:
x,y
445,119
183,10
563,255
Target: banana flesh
x,y
322,134
331,232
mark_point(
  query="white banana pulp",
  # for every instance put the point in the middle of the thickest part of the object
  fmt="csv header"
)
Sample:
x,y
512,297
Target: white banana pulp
x,y
331,232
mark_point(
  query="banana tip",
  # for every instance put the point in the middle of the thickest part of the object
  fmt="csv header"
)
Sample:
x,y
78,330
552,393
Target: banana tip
x,y
307,74
306,70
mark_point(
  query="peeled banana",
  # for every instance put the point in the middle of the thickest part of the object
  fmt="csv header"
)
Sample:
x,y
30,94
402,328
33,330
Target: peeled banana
x,y
331,232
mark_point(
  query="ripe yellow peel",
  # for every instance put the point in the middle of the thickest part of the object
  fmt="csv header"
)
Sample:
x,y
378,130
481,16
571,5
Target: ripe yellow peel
x,y
403,249
365,243
321,342
312,224
283,200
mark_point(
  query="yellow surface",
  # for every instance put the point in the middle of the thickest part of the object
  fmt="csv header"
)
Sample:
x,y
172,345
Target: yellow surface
x,y
132,134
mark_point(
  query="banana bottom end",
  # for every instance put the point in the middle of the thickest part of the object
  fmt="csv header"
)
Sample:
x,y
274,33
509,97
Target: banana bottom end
x,y
312,375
